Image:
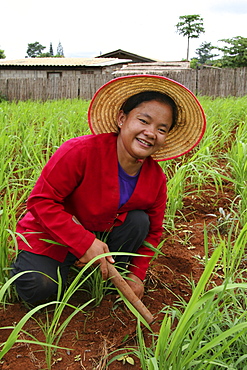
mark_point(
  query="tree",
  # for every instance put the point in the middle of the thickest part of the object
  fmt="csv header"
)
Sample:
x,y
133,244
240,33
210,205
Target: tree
x,y
60,50
34,49
51,50
204,52
45,55
2,55
190,26
234,54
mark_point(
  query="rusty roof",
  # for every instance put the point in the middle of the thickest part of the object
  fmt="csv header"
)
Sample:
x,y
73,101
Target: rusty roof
x,y
68,62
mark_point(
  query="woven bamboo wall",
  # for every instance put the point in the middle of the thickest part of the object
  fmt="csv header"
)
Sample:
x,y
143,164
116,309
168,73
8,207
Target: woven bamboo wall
x,y
210,82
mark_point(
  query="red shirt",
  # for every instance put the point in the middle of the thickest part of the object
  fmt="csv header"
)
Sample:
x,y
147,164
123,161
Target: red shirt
x,y
81,179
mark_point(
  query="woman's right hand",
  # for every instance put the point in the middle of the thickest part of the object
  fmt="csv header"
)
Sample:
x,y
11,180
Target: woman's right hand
x,y
98,247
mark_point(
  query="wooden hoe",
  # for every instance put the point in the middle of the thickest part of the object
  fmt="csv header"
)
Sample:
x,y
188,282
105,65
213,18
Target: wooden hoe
x,y
126,290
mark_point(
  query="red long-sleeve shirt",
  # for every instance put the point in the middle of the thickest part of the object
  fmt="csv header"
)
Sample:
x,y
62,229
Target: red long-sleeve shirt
x,y
81,179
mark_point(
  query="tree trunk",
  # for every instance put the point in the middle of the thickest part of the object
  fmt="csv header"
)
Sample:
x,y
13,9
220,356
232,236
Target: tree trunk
x,y
188,46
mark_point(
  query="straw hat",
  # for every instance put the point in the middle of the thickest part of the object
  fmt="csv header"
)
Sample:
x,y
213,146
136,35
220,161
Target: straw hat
x,y
191,122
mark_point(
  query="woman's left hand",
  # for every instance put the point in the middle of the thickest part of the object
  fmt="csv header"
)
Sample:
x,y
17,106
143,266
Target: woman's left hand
x,y
136,285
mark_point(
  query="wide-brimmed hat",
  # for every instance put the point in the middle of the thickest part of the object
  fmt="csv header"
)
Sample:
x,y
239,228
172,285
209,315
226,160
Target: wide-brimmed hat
x,y
191,122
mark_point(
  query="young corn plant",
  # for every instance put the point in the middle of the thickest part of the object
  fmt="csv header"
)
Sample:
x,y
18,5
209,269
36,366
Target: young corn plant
x,y
224,115
29,133
233,254
175,186
208,327
95,286
54,327
238,160
207,338
14,336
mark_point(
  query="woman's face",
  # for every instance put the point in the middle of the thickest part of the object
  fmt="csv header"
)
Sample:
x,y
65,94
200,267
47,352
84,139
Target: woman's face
x,y
144,129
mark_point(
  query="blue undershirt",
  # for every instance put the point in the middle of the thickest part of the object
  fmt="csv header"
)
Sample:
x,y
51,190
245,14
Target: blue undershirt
x,y
127,185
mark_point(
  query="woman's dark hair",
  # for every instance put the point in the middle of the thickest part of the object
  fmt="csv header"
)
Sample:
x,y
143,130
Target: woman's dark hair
x,y
135,100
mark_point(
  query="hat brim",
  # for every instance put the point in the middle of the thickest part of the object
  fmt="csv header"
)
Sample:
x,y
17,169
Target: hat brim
x,y
191,121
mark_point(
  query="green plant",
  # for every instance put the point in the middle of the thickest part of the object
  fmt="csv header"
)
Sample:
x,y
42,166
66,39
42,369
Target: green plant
x,y
29,134
224,220
31,131
237,157
54,328
3,97
205,331
18,328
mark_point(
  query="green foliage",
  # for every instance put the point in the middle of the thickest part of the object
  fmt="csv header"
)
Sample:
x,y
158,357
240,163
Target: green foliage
x,y
193,63
18,329
225,118
51,50
44,55
190,26
2,55
30,132
234,53
237,157
3,97
34,49
204,54
53,328
208,332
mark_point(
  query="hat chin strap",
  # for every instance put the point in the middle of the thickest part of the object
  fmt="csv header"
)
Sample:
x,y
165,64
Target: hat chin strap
x,y
139,160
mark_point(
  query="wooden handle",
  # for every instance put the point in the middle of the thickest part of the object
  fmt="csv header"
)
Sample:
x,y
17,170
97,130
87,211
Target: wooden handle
x,y
126,290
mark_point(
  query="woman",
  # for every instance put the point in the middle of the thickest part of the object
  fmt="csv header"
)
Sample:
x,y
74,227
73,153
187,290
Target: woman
x,y
108,182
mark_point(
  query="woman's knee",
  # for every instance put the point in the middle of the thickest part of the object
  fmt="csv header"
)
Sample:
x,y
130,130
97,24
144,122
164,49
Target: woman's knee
x,y
38,278
129,236
35,286
139,220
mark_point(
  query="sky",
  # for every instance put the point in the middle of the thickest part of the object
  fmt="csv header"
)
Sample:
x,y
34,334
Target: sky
x,y
89,28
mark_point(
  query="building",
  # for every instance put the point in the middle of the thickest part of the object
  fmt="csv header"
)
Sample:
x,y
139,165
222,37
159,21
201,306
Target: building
x,y
58,67
122,54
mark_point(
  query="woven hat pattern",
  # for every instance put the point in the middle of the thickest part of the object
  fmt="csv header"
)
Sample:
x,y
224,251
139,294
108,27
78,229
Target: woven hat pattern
x,y
190,126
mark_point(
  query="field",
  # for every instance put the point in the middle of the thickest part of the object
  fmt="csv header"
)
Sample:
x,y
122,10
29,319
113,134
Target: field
x,y
196,285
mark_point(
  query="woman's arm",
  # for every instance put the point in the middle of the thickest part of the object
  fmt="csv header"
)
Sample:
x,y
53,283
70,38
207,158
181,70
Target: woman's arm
x,y
60,176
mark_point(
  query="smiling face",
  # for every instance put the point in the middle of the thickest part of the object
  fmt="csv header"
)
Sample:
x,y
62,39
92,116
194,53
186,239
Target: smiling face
x,y
143,130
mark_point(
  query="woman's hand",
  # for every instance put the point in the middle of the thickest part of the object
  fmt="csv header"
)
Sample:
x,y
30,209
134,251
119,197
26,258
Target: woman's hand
x,y
136,285
98,247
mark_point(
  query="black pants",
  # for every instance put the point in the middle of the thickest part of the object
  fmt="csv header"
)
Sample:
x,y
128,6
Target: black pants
x,y
33,286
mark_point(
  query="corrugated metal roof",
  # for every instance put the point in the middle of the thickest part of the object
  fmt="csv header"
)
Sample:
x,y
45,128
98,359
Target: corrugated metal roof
x,y
122,54
155,67
68,62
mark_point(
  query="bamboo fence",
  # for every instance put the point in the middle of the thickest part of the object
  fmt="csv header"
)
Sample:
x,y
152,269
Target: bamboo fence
x,y
210,82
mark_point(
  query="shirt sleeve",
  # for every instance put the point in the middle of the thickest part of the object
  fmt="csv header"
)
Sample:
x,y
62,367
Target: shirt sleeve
x,y
60,176
139,264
